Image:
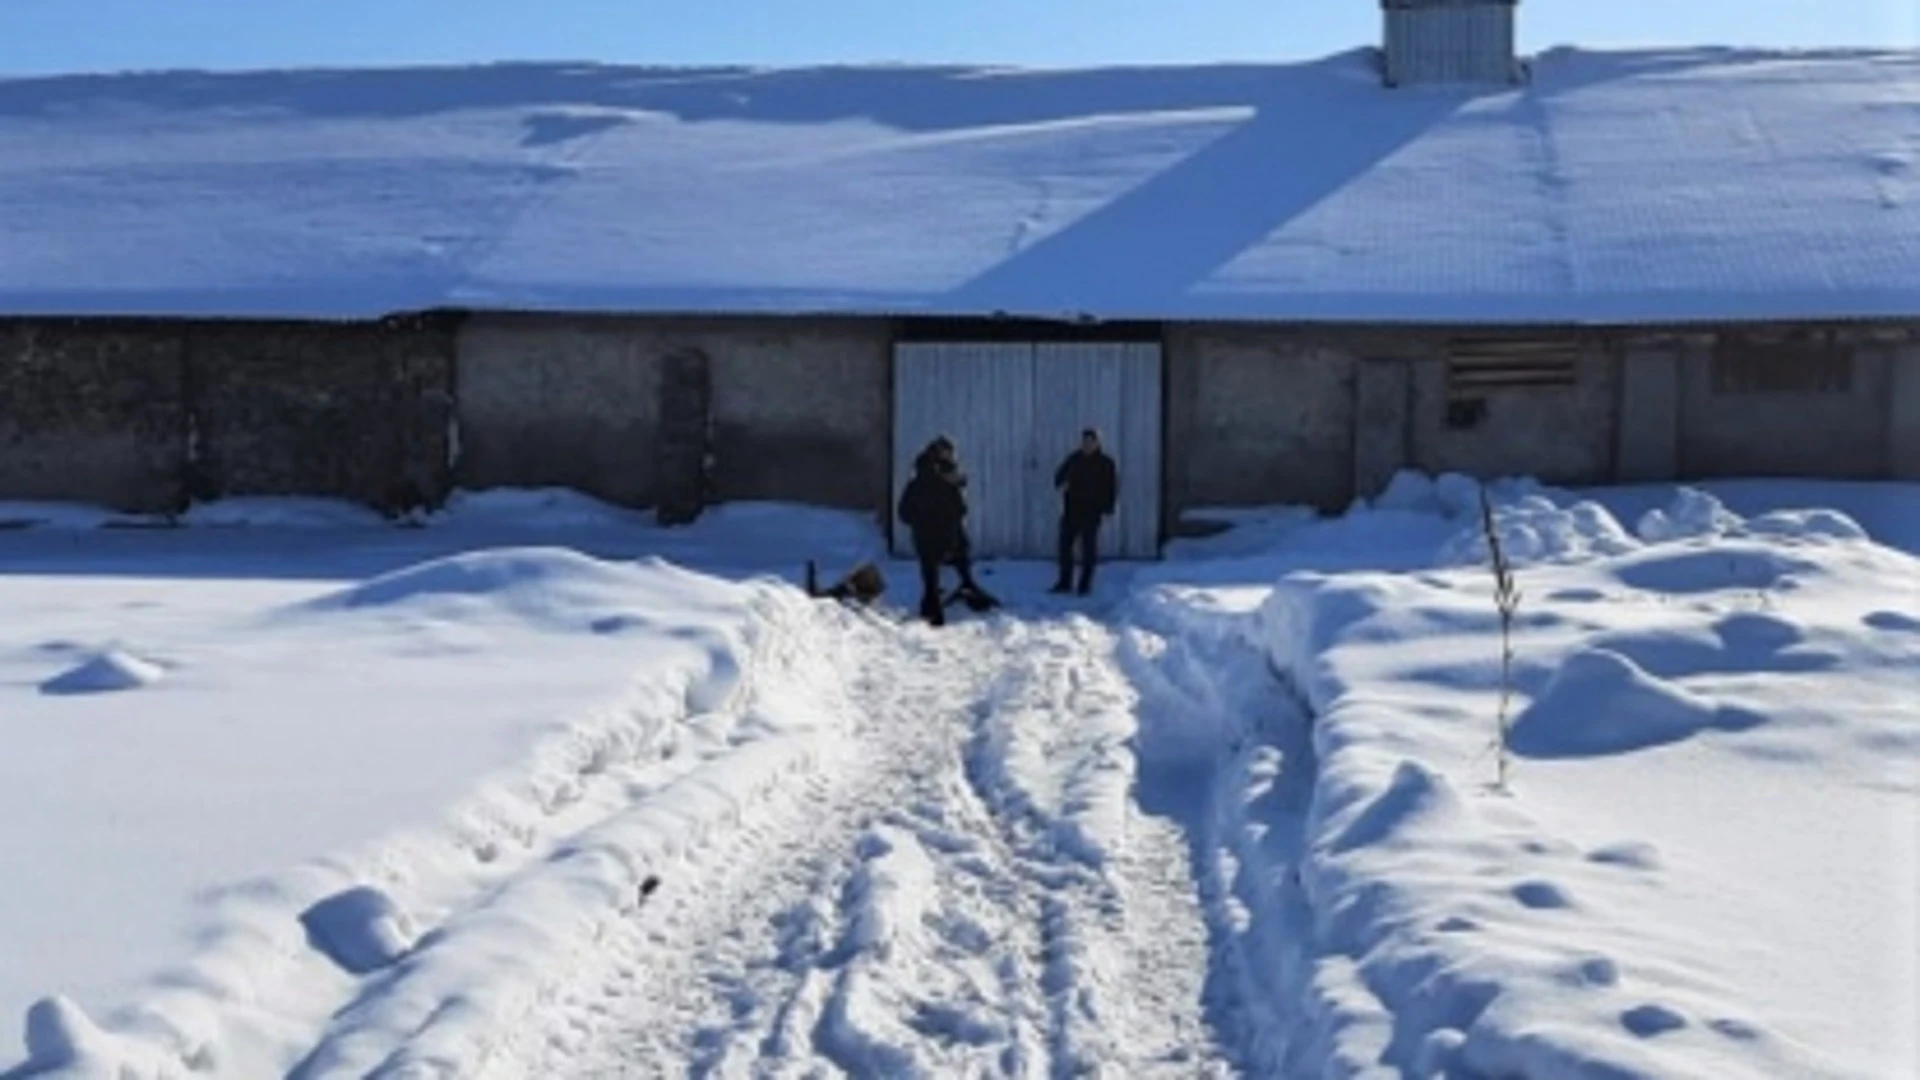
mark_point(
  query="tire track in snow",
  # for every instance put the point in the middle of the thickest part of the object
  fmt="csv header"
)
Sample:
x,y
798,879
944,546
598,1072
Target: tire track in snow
x,y
966,891
735,977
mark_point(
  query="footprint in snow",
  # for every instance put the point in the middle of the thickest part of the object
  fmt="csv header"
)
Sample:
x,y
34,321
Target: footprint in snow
x,y
1632,854
1598,971
1647,1021
1892,622
1737,1030
1542,895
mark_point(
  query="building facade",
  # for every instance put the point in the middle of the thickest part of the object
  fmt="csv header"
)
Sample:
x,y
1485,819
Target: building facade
x,y
675,413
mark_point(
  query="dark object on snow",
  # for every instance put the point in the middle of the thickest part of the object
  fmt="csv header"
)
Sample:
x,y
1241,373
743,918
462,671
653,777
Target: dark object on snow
x,y
862,585
971,594
647,887
1089,485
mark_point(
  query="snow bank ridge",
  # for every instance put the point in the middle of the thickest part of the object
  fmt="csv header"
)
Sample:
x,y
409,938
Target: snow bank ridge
x,y
439,996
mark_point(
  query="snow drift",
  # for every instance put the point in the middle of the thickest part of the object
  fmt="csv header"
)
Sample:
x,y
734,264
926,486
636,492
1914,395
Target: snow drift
x,y
1700,687
398,746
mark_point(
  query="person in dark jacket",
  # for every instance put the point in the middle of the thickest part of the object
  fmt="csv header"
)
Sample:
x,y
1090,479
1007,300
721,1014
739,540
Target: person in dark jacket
x,y
934,507
1089,486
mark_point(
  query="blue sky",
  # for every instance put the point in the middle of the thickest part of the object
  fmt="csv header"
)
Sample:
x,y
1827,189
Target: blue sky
x,y
43,36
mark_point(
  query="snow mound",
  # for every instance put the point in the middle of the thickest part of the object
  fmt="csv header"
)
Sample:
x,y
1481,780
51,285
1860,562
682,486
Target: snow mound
x,y
482,573
1534,529
61,515
762,526
547,507
1450,495
63,1040
281,513
1599,702
59,1034
1694,514
1816,524
105,672
360,929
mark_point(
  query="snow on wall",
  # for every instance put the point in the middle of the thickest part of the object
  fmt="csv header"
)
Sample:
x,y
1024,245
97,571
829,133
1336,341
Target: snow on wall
x,y
1653,186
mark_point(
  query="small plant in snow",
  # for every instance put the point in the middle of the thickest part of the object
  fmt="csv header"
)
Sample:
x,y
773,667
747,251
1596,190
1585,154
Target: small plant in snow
x,y
1506,598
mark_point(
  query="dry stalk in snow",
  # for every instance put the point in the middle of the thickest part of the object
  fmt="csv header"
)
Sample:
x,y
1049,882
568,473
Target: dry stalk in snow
x,y
1506,598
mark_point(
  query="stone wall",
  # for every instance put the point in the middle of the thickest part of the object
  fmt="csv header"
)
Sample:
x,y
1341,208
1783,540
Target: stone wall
x,y
351,411
92,412
148,415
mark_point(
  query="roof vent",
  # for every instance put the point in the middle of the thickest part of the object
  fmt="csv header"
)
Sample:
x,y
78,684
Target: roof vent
x,y
1449,41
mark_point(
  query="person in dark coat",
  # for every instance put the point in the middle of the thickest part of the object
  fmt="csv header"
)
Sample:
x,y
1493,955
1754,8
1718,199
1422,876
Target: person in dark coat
x,y
934,507
1089,486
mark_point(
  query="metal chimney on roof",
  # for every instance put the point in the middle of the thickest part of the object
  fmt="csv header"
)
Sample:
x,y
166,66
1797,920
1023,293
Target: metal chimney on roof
x,y
1449,41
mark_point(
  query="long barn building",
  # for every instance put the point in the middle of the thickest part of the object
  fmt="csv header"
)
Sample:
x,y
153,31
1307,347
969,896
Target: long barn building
x,y
670,288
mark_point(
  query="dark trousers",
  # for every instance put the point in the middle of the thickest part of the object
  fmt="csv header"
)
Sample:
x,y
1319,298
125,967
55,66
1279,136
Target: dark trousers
x,y
933,560
1082,531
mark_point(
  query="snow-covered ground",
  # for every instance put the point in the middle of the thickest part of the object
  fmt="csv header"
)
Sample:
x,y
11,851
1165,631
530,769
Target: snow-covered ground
x,y
535,788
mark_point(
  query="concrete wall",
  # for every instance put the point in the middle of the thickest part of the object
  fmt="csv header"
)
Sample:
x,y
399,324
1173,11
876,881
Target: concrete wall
x,y
353,411
1647,446
558,402
801,411
1382,432
1903,414
1840,435
1559,434
800,408
1256,417
92,412
140,414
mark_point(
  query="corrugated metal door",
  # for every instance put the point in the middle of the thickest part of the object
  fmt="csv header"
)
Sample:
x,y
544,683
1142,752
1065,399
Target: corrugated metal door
x,y
1016,410
981,394
1114,387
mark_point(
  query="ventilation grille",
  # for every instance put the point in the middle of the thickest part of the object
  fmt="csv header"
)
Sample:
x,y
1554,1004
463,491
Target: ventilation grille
x,y
1476,367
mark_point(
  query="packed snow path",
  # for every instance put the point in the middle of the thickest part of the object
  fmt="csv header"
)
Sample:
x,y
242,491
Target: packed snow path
x,y
960,864
967,891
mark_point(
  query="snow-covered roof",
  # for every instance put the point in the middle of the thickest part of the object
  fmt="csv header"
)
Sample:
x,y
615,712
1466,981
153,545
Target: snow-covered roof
x,y
1647,186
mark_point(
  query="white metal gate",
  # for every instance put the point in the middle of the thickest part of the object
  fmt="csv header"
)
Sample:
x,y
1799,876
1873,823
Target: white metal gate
x,y
1016,410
